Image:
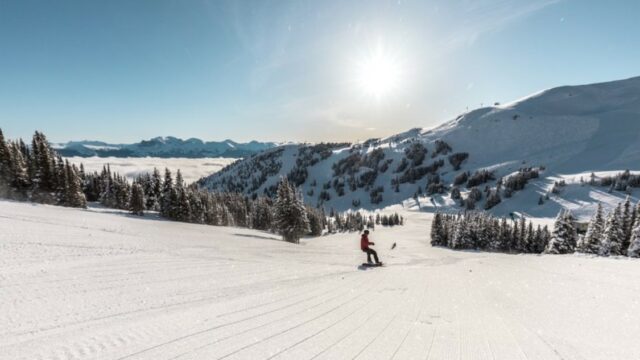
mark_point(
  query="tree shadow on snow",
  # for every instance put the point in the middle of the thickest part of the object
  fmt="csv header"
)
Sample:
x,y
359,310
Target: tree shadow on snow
x,y
259,237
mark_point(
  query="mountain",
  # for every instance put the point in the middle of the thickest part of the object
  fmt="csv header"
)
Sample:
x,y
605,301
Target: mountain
x,y
530,151
165,147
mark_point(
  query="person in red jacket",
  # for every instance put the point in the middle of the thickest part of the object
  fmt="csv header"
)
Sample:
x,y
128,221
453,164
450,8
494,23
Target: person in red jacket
x,y
364,245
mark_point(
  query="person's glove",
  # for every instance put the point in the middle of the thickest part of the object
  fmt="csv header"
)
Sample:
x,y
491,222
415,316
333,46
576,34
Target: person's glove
x,y
371,243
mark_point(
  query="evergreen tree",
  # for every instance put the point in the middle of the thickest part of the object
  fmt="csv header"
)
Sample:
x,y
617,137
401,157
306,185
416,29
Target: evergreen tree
x,y
538,241
593,237
18,176
61,182
627,224
613,235
462,238
504,240
167,193
182,208
136,205
197,207
74,196
290,215
455,193
44,164
634,247
315,221
515,237
5,166
493,199
563,239
530,239
437,238
522,245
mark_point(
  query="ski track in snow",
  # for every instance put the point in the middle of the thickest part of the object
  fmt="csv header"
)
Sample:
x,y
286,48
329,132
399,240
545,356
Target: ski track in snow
x,y
87,285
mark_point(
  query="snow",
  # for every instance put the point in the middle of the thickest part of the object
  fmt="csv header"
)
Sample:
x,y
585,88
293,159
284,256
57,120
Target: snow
x,y
88,284
192,169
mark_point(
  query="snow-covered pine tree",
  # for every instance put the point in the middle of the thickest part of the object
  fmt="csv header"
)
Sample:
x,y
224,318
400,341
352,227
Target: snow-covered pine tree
x,y
634,246
504,235
570,220
563,238
154,193
290,215
462,238
522,245
197,207
530,238
74,195
495,240
515,237
136,204
182,206
538,241
18,175
61,181
5,166
613,234
627,224
315,221
593,238
488,230
437,230
167,191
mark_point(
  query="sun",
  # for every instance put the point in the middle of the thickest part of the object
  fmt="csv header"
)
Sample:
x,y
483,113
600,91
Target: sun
x,y
379,74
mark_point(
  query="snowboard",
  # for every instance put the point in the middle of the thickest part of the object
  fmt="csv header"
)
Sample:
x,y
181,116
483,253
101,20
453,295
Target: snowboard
x,y
372,265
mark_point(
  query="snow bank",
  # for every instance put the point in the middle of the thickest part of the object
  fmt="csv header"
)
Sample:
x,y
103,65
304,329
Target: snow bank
x,y
85,285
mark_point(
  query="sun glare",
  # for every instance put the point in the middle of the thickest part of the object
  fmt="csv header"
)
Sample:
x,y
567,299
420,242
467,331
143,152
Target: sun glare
x,y
379,74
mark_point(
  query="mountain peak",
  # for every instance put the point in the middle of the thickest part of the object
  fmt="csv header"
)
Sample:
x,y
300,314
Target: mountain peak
x,y
565,130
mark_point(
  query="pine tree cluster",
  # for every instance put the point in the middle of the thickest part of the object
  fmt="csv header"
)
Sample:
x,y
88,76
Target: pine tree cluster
x,y
481,231
617,233
619,182
38,174
457,159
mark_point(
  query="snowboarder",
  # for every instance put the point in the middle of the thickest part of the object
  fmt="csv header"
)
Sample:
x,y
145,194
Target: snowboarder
x,y
364,245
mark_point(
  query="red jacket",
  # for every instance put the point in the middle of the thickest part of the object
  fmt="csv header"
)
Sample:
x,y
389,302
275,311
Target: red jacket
x,y
364,242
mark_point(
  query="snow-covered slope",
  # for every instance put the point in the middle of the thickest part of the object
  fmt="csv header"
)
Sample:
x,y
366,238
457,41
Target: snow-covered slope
x,y
164,147
569,129
84,285
565,130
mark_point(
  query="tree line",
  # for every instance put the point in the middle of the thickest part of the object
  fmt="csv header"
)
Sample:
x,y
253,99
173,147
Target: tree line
x,y
616,234
482,231
36,173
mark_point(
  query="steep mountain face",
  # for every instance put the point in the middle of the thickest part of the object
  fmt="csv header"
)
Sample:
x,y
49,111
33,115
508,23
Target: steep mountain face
x,y
164,147
494,150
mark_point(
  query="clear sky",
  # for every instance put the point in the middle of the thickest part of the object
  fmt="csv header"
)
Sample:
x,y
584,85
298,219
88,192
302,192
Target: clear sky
x,y
124,70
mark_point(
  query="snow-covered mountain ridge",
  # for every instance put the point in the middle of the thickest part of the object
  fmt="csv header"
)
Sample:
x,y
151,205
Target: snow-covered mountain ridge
x,y
165,147
561,131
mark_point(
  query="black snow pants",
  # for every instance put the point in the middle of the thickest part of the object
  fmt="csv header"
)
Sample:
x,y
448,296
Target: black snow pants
x,y
371,252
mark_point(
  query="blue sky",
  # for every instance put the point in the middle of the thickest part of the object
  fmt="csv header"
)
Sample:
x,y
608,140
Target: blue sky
x,y
122,71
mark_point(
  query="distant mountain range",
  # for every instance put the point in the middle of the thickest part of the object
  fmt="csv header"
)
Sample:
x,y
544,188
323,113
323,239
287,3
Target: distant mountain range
x,y
164,147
